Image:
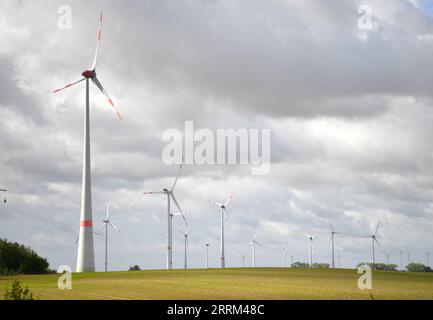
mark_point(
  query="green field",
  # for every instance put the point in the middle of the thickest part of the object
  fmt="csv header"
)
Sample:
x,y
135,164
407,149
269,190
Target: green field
x,y
259,283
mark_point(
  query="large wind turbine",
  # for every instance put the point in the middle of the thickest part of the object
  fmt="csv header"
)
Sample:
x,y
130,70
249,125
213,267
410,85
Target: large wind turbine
x,y
373,241
253,244
310,242
86,258
223,220
105,224
170,195
4,191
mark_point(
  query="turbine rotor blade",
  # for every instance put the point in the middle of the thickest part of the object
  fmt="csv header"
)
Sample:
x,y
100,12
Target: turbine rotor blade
x,y
154,192
114,227
101,88
102,227
180,210
98,42
69,85
377,228
177,177
229,199
378,243
108,214
217,203
332,228
225,216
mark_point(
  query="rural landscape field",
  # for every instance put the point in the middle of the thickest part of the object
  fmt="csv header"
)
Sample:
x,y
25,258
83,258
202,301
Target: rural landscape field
x,y
230,284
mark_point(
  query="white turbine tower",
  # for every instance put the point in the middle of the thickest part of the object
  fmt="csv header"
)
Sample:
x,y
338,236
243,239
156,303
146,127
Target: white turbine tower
x,y
170,195
86,258
185,259
253,244
284,256
311,250
401,258
373,241
223,220
207,255
333,233
105,224
387,254
4,192
427,255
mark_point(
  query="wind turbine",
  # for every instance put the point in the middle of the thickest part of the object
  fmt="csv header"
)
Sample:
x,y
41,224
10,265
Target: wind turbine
x,y
185,235
86,257
284,256
105,224
401,259
207,255
4,191
387,254
373,241
170,195
253,244
223,207
310,241
333,233
427,255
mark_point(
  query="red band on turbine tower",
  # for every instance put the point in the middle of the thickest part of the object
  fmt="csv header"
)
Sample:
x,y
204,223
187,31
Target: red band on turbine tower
x,y
86,223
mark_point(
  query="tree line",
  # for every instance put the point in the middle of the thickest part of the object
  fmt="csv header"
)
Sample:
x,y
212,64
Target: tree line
x,y
16,258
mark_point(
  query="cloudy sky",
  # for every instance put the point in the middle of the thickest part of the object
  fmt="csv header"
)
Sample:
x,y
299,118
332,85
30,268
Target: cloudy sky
x,y
349,110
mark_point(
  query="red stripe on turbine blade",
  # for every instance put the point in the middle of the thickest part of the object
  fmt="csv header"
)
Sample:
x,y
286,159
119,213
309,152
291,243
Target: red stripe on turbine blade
x,y
99,35
119,115
86,223
111,102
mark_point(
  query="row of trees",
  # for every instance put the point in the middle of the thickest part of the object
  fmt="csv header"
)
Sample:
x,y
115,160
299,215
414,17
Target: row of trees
x,y
412,267
18,259
307,265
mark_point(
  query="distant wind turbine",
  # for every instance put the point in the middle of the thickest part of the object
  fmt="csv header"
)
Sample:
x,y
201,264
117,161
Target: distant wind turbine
x,y
373,241
427,254
311,250
253,244
105,224
185,236
284,256
170,195
333,233
207,255
86,256
223,207
387,254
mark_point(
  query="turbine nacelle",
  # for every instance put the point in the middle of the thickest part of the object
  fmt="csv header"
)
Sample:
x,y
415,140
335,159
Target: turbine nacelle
x,y
89,74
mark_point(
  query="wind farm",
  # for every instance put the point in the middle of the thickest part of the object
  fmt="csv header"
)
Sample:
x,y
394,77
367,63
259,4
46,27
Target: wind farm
x,y
249,161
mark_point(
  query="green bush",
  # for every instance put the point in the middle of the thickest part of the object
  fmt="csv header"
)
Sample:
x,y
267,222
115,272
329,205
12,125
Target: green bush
x,y
18,293
418,267
135,268
18,259
300,265
321,265
379,266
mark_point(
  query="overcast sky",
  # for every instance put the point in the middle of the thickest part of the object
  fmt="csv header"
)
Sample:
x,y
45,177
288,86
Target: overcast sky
x,y
349,109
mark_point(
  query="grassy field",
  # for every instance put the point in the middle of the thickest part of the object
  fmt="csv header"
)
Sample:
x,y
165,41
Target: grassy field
x,y
259,283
